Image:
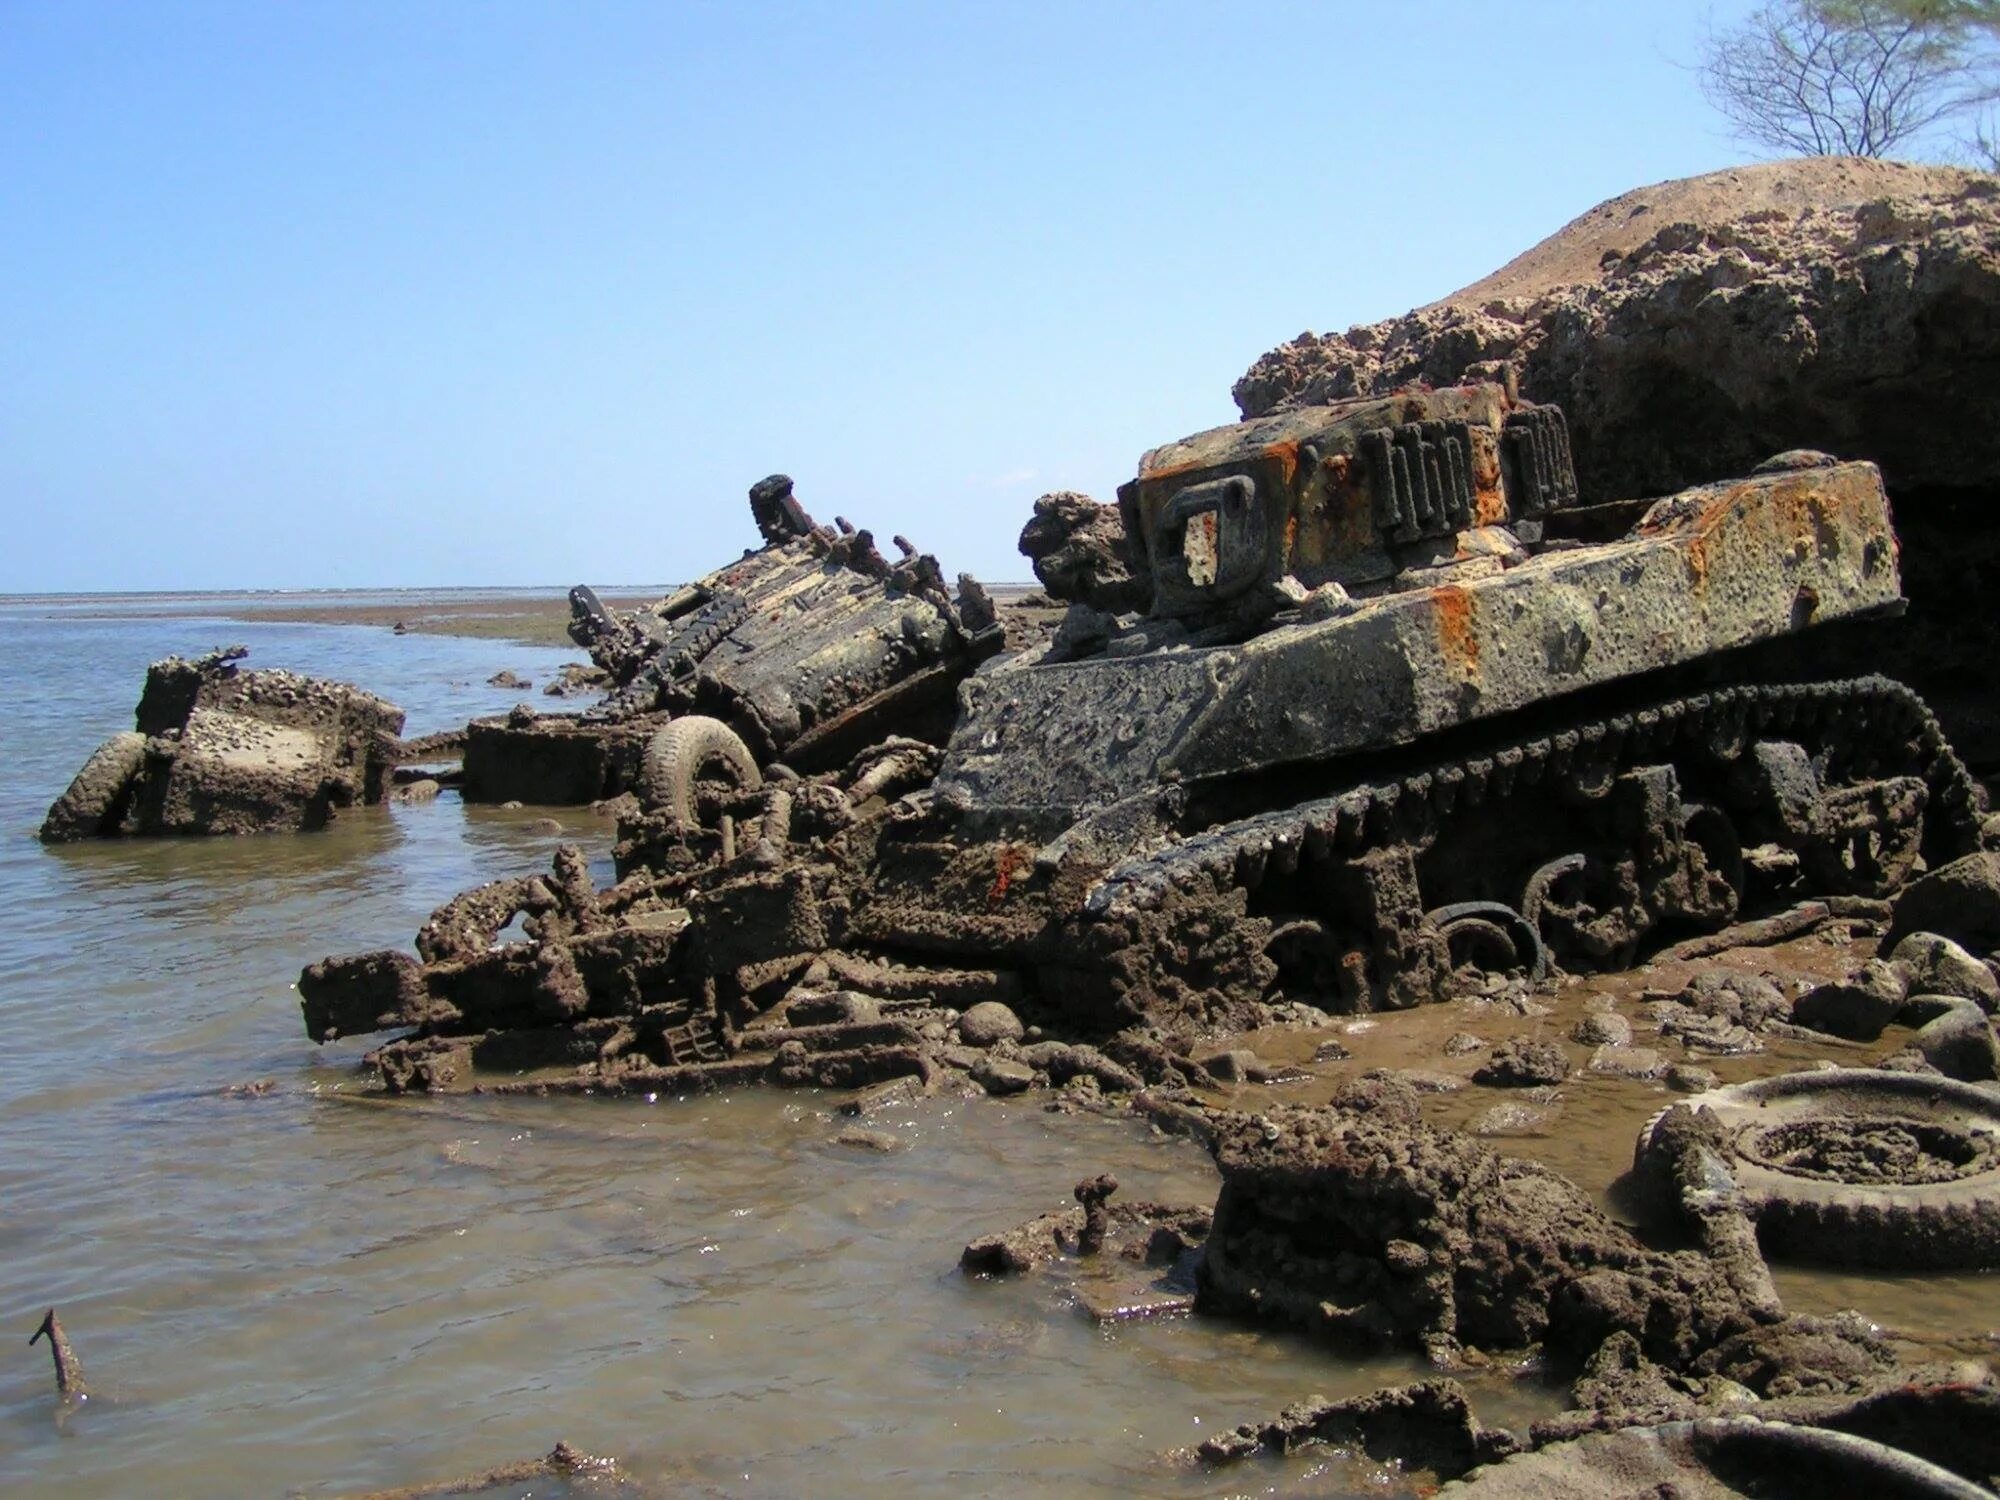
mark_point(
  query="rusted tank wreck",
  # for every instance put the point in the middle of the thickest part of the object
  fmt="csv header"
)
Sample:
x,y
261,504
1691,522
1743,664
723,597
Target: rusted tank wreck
x,y
1396,709
217,748
805,652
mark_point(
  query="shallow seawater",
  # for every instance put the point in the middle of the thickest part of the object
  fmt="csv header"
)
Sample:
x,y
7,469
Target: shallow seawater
x,y
305,1290
302,1291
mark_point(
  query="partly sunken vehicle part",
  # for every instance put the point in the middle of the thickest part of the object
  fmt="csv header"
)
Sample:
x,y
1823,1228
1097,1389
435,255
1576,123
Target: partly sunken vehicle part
x,y
219,749
1391,713
802,653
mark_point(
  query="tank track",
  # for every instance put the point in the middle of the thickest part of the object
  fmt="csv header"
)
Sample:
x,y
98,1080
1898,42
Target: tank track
x,y
675,659
1889,723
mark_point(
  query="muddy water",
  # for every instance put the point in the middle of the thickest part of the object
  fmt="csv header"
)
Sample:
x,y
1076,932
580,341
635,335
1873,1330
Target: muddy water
x,y
298,1291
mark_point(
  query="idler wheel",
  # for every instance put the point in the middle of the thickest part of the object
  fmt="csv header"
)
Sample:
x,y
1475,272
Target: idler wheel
x,y
687,752
1588,913
1861,1167
1715,885
1716,1456
1491,936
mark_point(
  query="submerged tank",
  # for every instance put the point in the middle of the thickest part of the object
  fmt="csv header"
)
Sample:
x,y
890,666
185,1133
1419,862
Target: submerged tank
x,y
1396,710
218,748
800,653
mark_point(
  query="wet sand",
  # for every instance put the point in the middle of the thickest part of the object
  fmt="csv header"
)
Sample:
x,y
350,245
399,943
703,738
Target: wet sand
x,y
528,619
523,616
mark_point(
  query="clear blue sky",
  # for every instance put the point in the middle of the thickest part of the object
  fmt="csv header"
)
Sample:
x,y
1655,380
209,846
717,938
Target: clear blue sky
x,y
318,294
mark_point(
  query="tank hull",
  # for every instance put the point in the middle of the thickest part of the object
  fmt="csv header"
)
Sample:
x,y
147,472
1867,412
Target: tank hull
x,y
1710,570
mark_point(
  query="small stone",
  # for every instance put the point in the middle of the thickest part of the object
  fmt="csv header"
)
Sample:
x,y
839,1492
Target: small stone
x,y
1001,1076
1686,1078
1521,1063
1327,601
1462,1043
1234,1066
545,826
1422,1080
1858,1009
1628,1062
1605,1029
1934,965
1331,1051
989,1022
864,1139
1960,900
1960,1044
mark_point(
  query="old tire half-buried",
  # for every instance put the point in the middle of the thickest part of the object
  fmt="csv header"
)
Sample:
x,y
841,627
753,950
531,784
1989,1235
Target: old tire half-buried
x,y
96,797
1715,1456
686,752
1860,1167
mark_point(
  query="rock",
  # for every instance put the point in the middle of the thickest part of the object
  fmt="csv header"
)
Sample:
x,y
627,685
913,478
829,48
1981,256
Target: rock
x,y
1858,1009
1000,1076
1960,1044
865,1139
1934,965
1738,997
1238,1065
1462,1044
1686,1078
1520,1063
988,1022
1427,1426
1690,328
1438,1241
1628,1062
544,826
1331,1051
1421,1080
412,792
576,677
1960,901
1602,1029
1082,556
510,680
1699,1033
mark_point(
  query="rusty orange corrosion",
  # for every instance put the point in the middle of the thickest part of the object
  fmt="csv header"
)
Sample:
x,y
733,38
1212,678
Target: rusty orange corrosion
x,y
1457,638
1008,862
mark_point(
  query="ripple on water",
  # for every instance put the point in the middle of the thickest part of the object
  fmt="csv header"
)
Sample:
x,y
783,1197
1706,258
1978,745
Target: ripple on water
x,y
289,1292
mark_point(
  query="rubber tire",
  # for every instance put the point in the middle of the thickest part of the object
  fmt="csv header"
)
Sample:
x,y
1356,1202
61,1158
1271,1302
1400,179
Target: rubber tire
x,y
1927,1226
1712,1455
679,753
93,799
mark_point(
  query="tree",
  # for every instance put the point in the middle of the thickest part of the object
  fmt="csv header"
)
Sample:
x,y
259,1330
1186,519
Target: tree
x,y
1848,77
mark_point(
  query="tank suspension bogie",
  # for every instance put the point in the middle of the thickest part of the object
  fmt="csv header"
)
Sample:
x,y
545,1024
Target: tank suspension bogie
x,y
1580,848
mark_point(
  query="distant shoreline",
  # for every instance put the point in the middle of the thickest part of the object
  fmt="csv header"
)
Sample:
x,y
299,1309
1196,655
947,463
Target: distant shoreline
x,y
523,621
525,617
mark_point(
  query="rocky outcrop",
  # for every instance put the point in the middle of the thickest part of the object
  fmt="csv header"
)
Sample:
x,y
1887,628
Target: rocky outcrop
x,y
1082,556
1691,329
1700,343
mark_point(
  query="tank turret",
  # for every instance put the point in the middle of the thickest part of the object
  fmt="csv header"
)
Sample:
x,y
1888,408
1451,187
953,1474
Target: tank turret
x,y
1355,495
